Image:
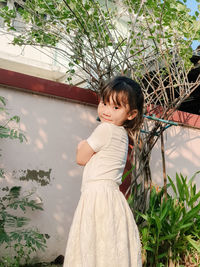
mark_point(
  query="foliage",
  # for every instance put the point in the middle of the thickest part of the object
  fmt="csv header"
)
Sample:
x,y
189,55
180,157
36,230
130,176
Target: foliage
x,y
6,131
170,228
147,40
102,38
14,233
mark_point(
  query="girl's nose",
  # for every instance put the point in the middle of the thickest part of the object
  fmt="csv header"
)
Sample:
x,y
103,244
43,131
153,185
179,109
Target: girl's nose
x,y
106,112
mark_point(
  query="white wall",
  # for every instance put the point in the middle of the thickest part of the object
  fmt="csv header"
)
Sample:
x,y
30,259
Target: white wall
x,y
35,61
53,128
182,154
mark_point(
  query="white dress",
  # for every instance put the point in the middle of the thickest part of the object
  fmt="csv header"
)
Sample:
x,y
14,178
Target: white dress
x,y
103,231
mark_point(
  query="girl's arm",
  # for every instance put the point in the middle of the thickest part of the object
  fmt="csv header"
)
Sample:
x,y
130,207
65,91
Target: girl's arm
x,y
84,153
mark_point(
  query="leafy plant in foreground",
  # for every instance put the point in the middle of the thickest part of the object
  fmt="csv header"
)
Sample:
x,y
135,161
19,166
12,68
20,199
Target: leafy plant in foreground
x,y
13,231
170,229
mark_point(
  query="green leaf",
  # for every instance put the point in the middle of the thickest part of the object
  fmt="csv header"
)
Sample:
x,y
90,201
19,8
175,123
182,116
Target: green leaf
x,y
4,237
162,255
15,118
164,210
192,213
194,243
2,173
166,237
22,207
158,223
4,132
180,187
172,185
148,248
3,100
127,173
185,187
146,217
192,178
15,191
185,225
194,199
22,221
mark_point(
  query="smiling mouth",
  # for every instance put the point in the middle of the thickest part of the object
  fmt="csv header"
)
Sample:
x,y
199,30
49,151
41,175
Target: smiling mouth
x,y
106,119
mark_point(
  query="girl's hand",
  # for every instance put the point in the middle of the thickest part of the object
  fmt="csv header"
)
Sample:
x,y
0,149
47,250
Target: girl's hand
x,y
84,153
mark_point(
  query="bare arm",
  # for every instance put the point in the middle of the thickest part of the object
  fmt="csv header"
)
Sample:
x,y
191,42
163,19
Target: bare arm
x,y
84,153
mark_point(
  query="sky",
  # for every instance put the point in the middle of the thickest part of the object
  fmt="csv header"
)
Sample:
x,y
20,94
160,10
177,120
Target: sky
x,y
193,5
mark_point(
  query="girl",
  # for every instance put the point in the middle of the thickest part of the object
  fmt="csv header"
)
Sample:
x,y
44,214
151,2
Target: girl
x,y
103,232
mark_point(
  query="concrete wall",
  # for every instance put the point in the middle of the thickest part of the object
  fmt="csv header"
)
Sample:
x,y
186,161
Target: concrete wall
x,y
182,154
36,61
53,128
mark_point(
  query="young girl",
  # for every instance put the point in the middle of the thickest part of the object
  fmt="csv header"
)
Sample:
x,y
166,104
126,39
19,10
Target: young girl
x,y
103,232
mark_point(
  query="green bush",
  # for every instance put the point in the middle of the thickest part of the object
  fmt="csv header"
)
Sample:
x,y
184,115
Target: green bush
x,y
13,229
170,227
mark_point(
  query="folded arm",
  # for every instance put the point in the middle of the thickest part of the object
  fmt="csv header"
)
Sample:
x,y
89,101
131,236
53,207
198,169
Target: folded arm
x,y
84,153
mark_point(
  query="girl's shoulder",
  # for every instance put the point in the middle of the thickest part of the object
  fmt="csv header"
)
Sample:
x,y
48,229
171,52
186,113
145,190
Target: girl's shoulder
x,y
108,130
110,125
106,126
104,133
114,128
100,136
103,126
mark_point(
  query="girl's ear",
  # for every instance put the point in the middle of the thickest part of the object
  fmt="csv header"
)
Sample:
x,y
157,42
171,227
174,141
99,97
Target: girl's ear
x,y
132,114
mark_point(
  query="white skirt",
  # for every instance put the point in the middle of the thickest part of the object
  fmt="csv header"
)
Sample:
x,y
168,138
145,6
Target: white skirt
x,y
103,231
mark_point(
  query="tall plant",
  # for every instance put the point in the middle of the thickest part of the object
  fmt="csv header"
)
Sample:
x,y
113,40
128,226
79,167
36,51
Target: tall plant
x,y
95,40
170,228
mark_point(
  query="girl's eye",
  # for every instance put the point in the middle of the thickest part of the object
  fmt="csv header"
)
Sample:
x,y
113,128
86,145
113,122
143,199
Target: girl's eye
x,y
116,107
103,103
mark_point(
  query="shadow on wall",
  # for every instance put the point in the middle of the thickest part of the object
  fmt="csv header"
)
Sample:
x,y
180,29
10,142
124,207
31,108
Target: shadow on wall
x,y
182,154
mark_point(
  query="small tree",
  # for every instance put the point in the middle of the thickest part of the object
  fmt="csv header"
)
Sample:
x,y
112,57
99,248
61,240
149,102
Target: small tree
x,y
149,41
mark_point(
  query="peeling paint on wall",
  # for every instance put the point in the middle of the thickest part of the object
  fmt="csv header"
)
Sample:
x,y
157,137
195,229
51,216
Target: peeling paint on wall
x,y
40,176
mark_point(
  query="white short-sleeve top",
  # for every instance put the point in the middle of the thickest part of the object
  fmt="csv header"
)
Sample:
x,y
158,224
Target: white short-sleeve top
x,y
110,142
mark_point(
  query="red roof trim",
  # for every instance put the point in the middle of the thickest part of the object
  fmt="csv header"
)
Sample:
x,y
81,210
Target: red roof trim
x,y
51,88
47,87
186,118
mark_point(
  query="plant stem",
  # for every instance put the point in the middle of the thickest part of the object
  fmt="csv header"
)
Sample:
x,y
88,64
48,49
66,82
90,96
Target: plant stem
x,y
164,166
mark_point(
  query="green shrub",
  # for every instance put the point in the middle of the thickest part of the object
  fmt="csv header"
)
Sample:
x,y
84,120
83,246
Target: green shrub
x,y
13,228
170,227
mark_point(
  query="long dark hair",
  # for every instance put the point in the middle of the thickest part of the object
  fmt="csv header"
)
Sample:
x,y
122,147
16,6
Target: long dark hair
x,y
123,91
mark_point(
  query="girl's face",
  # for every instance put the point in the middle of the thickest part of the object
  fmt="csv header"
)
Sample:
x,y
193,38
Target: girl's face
x,y
115,114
